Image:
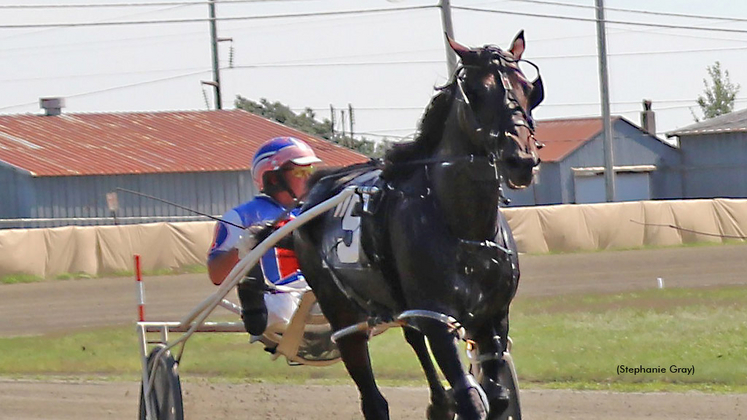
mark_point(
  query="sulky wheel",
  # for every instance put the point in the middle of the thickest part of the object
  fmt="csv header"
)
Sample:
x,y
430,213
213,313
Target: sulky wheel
x,y
166,393
507,378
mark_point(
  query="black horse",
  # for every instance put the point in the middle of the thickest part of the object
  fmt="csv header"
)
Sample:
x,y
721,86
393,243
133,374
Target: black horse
x,y
424,242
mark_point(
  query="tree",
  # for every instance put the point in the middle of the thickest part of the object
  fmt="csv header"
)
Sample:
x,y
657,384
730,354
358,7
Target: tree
x,y
306,122
719,95
284,115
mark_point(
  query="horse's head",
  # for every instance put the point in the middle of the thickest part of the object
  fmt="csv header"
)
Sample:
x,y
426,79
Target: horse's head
x,y
496,100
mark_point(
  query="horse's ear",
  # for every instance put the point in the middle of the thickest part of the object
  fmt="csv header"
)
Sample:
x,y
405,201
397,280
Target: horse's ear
x,y
458,48
517,46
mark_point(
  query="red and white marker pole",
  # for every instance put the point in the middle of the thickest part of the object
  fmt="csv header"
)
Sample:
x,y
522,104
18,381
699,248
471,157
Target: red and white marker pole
x,y
140,290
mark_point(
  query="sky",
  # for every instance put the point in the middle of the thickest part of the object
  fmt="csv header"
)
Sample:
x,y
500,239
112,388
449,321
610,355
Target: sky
x,y
383,64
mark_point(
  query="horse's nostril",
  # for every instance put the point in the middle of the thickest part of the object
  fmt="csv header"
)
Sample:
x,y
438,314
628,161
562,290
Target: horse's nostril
x,y
518,161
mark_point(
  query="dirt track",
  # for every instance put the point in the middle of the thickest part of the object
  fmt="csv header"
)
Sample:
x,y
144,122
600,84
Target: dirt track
x,y
37,308
106,400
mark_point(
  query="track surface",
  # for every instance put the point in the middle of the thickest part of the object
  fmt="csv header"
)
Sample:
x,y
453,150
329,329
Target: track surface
x,y
39,308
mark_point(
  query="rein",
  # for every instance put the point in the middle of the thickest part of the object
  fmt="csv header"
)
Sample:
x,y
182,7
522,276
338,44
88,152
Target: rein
x,y
491,159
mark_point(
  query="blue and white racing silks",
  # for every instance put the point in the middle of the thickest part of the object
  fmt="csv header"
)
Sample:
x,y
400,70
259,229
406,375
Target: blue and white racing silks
x,y
279,266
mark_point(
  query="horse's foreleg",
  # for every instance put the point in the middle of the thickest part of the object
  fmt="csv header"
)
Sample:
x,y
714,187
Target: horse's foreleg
x,y
442,404
354,352
491,343
469,404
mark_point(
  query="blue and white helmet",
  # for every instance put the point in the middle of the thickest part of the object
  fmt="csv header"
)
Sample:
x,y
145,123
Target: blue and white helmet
x,y
276,152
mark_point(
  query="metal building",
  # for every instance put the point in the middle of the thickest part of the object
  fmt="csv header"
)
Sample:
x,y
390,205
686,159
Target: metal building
x,y
63,165
714,157
572,169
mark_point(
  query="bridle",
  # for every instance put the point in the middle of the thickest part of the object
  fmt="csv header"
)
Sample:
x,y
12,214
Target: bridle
x,y
519,116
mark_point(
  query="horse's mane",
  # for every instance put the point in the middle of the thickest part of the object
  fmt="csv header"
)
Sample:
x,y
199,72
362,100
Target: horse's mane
x,y
326,182
430,131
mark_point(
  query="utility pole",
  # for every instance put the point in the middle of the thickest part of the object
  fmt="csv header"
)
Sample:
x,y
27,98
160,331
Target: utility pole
x,y
342,122
609,159
214,44
451,61
332,119
351,118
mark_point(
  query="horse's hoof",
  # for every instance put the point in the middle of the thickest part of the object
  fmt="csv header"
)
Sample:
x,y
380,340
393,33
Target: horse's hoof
x,y
437,412
498,406
442,409
376,408
498,398
471,405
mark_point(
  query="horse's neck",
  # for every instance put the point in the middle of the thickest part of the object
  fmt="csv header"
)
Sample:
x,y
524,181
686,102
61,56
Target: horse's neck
x,y
467,192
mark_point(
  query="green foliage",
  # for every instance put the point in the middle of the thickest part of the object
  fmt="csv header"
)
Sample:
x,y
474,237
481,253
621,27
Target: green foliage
x,y
306,122
19,278
719,95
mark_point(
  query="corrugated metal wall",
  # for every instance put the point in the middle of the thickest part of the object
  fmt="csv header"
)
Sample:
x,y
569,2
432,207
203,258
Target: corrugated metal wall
x,y
544,190
85,196
632,147
715,165
15,192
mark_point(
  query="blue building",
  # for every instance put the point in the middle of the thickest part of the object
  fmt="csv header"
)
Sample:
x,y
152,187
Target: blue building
x,y
714,157
572,169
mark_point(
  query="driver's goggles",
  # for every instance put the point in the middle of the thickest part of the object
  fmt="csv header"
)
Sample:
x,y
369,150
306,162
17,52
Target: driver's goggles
x,y
302,171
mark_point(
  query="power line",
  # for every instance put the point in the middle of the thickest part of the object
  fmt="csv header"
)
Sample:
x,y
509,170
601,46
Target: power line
x,y
98,5
374,134
643,12
121,5
634,53
634,111
617,22
337,64
92,75
109,89
292,65
52,29
225,19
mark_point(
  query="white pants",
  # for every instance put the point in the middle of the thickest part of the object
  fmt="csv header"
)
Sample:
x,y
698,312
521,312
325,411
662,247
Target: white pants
x,y
282,306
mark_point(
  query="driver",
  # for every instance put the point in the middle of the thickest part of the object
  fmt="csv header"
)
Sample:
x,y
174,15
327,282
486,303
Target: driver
x,y
280,169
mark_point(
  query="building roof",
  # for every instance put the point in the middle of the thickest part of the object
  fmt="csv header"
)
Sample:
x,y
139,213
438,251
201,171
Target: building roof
x,y
146,142
563,136
728,123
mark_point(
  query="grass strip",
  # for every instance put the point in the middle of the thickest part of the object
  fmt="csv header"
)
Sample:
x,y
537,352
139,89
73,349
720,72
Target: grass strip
x,y
28,278
559,342
20,278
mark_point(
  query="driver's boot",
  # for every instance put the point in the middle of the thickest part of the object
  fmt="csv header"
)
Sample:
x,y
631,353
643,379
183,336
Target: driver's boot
x,y
253,309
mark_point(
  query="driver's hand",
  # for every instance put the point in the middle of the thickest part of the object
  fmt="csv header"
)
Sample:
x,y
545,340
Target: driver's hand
x,y
248,240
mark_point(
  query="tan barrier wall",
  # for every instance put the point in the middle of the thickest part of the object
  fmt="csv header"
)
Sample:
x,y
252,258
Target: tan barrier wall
x,y
100,250
567,228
